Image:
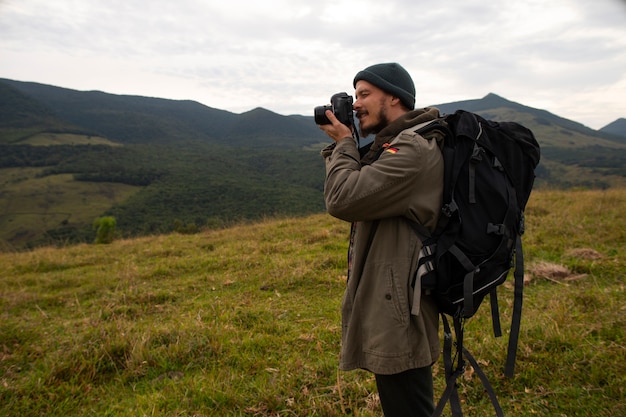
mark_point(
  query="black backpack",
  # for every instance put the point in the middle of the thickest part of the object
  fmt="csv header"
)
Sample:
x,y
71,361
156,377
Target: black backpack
x,y
488,176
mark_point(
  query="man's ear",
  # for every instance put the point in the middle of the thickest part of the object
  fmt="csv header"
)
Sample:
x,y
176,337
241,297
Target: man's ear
x,y
395,101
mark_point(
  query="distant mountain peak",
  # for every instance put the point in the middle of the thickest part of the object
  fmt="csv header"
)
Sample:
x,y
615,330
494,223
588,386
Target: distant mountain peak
x,y
492,96
490,101
257,110
493,99
618,127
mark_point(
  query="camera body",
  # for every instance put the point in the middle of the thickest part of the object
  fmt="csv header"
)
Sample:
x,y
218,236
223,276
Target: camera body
x,y
341,106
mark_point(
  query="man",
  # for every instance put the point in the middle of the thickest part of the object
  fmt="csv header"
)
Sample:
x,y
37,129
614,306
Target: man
x,y
389,326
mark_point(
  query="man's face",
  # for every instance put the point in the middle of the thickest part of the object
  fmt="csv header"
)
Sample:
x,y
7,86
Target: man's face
x,y
371,107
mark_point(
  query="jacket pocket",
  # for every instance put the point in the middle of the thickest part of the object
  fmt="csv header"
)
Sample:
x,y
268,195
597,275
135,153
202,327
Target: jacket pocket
x,y
381,315
397,296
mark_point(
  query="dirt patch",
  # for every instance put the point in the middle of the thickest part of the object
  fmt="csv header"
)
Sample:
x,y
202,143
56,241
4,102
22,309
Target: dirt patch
x,y
553,272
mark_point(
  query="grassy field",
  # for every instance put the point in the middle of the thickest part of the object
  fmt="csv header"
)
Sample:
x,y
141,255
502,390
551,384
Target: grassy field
x,y
31,204
51,139
245,322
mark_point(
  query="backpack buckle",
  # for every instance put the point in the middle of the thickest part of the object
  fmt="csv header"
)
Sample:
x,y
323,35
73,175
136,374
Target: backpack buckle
x,y
497,229
449,209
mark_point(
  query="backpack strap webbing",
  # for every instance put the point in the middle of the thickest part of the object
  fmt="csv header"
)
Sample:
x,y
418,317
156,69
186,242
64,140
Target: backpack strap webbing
x,y
486,384
509,368
451,393
468,280
495,313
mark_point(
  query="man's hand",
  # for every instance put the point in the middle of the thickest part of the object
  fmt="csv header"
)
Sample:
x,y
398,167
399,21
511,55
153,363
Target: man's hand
x,y
336,130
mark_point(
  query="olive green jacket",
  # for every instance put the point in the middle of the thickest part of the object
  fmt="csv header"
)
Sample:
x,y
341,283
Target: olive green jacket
x,y
378,195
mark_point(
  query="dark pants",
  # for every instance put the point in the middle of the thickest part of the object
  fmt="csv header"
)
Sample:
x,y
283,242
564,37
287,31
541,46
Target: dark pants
x,y
407,394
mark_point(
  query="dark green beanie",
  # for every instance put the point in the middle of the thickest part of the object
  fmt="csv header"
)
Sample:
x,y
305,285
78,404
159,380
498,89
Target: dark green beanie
x,y
391,78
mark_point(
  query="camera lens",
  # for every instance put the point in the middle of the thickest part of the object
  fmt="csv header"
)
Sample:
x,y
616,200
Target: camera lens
x,y
319,114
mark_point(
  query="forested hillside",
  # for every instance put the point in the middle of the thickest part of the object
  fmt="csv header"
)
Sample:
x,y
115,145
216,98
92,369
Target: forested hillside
x,y
68,157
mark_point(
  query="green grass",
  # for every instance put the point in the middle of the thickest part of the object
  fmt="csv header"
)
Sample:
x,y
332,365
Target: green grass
x,y
245,322
30,204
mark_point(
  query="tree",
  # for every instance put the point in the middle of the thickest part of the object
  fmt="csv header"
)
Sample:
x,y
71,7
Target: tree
x,y
105,229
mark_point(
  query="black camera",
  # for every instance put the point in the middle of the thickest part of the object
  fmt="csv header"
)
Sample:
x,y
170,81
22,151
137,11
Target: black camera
x,y
341,106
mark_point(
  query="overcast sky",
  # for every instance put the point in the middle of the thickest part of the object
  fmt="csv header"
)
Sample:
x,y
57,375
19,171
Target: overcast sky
x,y
288,56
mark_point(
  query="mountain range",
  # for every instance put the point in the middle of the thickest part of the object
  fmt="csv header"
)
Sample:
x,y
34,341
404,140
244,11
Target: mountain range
x,y
158,165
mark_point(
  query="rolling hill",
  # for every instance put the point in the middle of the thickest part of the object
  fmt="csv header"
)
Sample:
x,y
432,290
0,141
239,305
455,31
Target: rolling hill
x,y
145,120
157,165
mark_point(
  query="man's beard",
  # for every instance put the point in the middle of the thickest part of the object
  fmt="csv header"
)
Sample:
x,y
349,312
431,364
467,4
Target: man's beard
x,y
383,121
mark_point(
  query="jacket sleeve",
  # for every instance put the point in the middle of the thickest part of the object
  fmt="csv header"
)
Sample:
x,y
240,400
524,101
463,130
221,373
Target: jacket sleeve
x,y
385,188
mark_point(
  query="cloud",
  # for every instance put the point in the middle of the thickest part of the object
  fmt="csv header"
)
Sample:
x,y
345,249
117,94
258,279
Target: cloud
x,y
568,56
